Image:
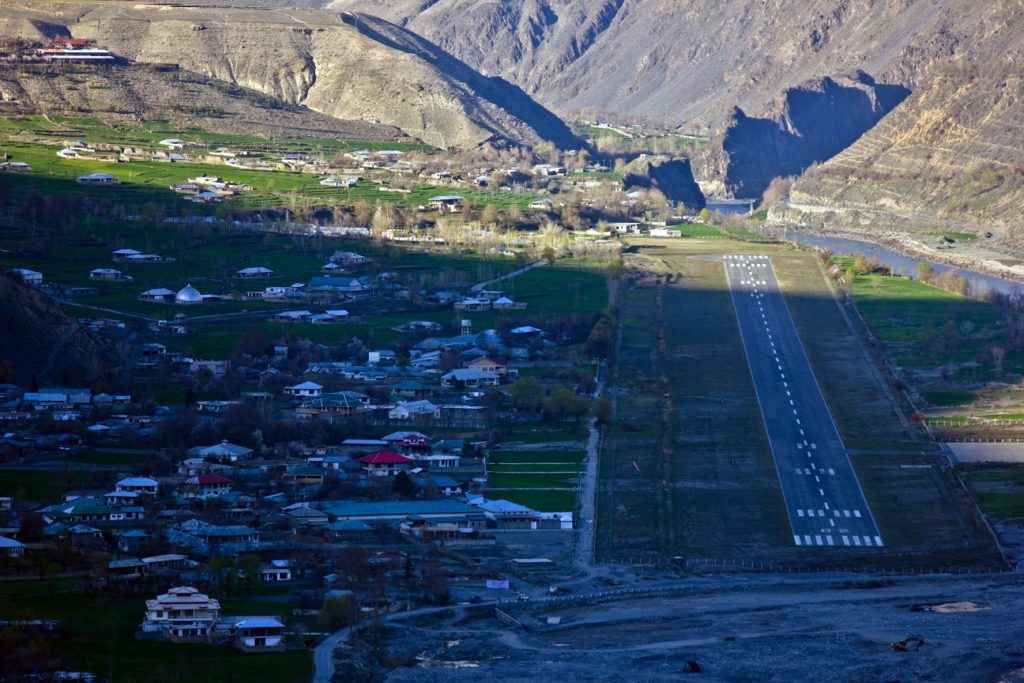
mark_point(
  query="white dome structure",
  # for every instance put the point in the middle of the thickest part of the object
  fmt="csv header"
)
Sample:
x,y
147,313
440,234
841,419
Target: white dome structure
x,y
188,296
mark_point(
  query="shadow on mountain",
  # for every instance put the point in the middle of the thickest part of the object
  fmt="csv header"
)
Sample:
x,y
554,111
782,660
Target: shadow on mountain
x,y
495,90
816,122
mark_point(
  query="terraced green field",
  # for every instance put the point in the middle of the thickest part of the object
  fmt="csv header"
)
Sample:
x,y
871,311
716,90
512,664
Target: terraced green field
x,y
542,480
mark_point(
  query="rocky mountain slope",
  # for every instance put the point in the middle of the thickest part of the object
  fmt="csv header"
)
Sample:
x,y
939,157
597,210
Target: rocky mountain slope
x,y
189,100
780,85
344,65
42,342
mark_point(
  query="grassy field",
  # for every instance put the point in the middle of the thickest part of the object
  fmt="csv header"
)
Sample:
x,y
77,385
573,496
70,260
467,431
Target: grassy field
x,y
998,490
48,484
687,470
543,480
148,182
111,458
100,638
864,414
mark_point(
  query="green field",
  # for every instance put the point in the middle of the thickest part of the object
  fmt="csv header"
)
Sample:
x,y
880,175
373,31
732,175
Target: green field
x,y
99,637
148,183
687,471
998,490
48,484
109,458
543,480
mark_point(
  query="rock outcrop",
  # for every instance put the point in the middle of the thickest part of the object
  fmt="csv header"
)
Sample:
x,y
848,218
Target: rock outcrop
x,y
672,177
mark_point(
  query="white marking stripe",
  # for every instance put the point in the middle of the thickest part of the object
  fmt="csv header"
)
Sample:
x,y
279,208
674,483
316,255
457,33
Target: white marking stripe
x,y
800,512
830,541
878,541
817,539
867,540
856,540
796,539
846,540
807,539
856,513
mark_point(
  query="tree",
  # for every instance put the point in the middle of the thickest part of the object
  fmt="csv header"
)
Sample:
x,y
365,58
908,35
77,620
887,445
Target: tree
x,y
527,394
337,612
402,486
603,410
925,272
385,218
489,216
363,213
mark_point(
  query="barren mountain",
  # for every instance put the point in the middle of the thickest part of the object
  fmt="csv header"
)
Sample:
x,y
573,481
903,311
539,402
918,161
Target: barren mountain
x,y
347,65
132,91
781,85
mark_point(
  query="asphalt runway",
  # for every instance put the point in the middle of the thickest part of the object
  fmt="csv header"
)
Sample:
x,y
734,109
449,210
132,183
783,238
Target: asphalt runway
x,y
825,501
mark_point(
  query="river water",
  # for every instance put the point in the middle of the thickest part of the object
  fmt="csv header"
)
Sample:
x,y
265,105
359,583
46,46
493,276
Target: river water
x,y
980,282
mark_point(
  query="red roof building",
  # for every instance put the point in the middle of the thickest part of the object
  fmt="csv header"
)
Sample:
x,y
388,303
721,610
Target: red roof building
x,y
206,486
385,464
73,43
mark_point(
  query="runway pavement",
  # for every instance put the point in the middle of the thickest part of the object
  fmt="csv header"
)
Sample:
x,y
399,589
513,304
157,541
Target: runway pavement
x,y
823,496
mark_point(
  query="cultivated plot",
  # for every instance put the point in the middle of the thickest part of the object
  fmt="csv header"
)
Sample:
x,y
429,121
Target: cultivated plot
x,y
823,496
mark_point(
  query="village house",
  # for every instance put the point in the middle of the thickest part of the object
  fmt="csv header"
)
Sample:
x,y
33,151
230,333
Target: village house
x,y
446,203
223,451
108,274
473,304
256,634
181,615
385,464
254,272
29,277
497,366
304,390
204,486
469,378
15,167
143,486
97,179
278,570
412,410
11,548
157,295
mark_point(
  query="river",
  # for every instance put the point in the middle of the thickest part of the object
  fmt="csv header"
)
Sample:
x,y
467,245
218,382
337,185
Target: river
x,y
980,282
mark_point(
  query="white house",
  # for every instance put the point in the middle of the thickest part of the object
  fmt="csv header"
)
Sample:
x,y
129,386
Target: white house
x,y
222,451
29,277
106,274
409,410
182,615
304,390
470,378
473,304
255,271
257,634
141,485
172,143
157,295
277,570
10,547
96,179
